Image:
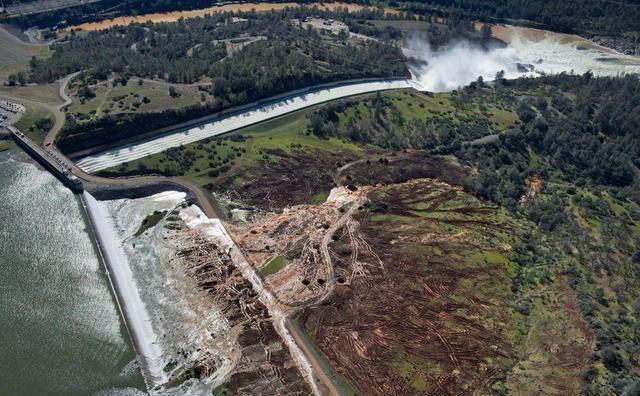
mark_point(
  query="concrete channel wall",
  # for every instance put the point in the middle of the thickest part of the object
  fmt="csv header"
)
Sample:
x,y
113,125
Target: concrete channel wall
x,y
250,115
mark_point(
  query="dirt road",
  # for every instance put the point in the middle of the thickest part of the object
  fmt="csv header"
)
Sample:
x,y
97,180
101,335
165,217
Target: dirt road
x,y
327,382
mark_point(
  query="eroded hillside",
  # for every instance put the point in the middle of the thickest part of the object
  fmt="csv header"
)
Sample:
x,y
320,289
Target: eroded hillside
x,y
407,288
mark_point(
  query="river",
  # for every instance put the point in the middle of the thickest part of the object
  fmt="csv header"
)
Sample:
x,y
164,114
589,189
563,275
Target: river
x,y
61,328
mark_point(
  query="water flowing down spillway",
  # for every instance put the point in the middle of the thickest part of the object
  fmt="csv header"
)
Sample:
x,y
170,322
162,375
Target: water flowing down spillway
x,y
444,70
133,151
135,312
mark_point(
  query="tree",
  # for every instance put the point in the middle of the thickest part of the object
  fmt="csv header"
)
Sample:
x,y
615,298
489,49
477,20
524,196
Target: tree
x,y
485,32
172,92
22,78
316,121
86,92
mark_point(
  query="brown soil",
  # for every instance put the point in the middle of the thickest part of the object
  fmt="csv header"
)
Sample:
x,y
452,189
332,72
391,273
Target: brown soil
x,y
399,167
291,179
404,285
534,184
403,312
265,365
398,288
287,179
393,302
300,234
508,33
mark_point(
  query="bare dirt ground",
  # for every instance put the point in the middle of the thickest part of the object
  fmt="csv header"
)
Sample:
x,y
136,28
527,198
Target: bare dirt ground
x,y
380,303
404,288
263,364
301,235
46,93
399,167
405,320
286,180
534,184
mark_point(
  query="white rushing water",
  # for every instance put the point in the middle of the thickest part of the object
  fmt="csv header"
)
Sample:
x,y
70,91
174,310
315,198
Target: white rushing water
x,y
128,291
461,63
178,327
130,152
443,70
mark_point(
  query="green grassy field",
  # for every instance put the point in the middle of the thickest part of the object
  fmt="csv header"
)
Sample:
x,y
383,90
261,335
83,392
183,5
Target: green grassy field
x,y
46,93
274,265
150,221
414,105
287,133
15,56
27,123
110,99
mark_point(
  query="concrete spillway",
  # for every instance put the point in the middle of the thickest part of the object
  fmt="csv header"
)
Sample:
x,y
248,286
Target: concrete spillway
x,y
133,309
260,113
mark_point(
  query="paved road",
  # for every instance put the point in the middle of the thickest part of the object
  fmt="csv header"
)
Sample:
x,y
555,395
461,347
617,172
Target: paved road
x,y
205,200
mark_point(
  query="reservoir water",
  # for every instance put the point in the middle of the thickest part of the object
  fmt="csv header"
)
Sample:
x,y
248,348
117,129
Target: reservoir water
x,y
62,333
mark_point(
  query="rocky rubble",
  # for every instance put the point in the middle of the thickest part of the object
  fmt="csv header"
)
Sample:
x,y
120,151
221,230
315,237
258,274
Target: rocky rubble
x,y
265,365
628,45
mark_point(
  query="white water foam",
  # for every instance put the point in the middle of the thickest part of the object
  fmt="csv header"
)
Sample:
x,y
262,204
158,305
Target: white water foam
x,y
133,151
135,312
215,231
461,63
190,328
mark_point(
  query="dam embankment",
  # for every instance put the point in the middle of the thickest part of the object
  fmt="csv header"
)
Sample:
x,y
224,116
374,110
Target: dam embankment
x,y
53,164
